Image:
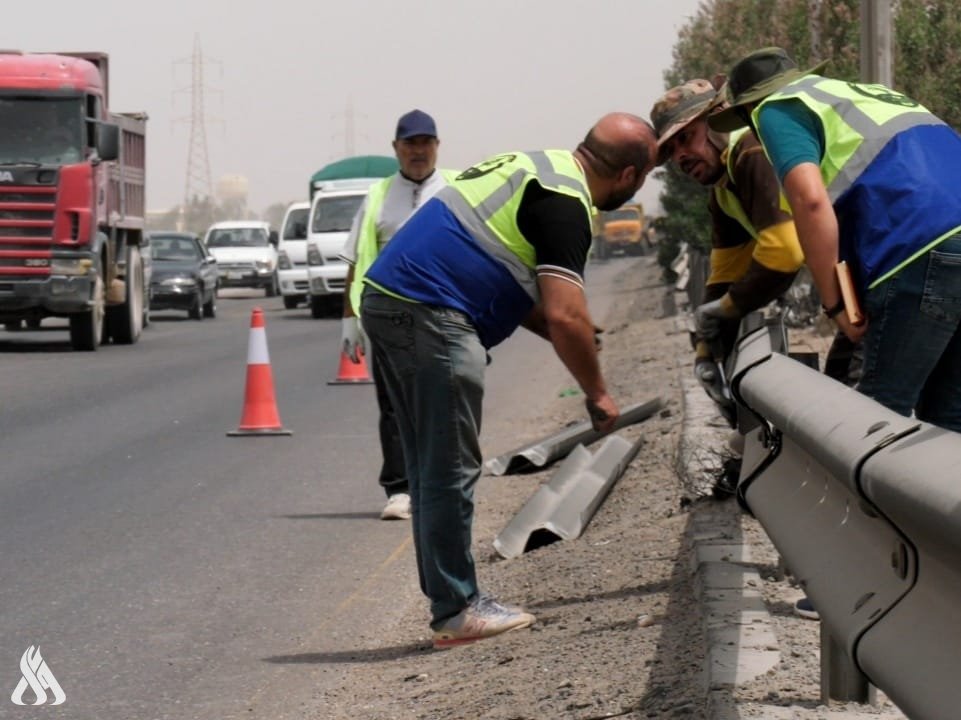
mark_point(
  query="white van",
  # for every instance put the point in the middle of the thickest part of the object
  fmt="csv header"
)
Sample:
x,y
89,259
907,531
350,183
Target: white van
x,y
292,255
246,254
331,212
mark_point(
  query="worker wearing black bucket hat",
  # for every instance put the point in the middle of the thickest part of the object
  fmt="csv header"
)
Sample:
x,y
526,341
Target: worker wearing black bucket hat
x,y
871,177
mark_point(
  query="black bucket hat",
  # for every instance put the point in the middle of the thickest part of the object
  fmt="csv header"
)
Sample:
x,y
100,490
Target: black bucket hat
x,y
753,78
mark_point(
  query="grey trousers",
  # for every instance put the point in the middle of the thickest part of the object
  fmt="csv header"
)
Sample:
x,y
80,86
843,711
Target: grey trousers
x,y
432,364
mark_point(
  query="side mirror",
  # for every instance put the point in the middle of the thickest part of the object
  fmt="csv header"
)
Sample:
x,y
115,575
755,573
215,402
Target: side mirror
x,y
273,239
108,141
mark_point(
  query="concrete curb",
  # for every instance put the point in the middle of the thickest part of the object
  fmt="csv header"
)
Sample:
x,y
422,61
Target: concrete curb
x,y
741,643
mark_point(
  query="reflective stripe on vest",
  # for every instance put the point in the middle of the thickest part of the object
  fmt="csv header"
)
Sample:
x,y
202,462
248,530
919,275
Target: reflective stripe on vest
x,y
858,121
730,203
485,200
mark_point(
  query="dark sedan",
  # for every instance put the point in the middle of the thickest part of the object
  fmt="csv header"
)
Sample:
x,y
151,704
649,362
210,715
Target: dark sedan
x,y
184,275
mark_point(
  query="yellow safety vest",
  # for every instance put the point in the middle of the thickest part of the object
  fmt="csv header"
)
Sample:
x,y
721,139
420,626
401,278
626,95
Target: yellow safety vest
x,y
726,200
859,121
486,197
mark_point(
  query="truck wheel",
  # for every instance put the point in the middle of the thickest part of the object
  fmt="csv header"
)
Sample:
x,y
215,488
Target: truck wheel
x,y
125,321
13,325
318,306
272,290
291,301
86,328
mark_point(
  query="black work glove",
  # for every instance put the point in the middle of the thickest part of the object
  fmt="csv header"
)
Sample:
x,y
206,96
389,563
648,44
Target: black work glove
x,y
709,317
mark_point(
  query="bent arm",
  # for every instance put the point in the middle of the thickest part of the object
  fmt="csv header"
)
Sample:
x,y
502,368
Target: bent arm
x,y
571,332
536,322
817,227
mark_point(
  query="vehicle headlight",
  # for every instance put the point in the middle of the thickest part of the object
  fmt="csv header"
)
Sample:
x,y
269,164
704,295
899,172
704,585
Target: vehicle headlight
x,y
262,265
314,256
70,266
182,282
283,262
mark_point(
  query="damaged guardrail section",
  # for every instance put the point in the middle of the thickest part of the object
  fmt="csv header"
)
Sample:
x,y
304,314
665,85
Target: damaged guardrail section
x,y
553,447
561,508
865,507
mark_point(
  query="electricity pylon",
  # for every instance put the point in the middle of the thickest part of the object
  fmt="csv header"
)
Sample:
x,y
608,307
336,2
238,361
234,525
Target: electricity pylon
x,y
198,183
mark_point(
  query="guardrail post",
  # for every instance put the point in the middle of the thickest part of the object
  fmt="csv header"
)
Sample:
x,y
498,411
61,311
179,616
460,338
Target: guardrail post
x,y
840,678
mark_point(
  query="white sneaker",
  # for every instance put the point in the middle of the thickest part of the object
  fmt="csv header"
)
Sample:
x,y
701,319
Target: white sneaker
x,y
483,618
397,507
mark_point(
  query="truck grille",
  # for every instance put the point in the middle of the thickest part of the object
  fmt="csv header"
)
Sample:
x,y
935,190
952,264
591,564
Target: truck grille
x,y
26,230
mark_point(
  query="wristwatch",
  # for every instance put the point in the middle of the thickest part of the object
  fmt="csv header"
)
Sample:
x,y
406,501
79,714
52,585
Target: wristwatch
x,y
834,311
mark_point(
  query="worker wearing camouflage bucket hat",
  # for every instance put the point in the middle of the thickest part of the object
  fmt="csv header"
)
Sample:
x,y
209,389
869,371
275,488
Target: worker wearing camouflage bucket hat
x,y
871,177
754,247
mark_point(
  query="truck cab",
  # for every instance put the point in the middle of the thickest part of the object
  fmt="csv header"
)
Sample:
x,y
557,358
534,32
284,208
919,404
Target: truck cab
x,y
71,199
620,230
332,210
292,255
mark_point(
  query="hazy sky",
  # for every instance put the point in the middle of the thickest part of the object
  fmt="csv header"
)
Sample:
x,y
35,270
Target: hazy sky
x,y
496,75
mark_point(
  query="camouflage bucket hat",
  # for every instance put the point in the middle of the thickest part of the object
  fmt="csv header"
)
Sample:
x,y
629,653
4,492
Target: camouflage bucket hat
x,y
677,108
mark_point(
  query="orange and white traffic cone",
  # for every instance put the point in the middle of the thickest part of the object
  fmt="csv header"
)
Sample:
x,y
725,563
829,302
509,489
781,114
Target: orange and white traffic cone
x,y
351,373
260,416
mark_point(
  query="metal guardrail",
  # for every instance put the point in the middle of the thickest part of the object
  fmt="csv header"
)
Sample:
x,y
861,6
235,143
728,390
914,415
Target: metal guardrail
x,y
865,507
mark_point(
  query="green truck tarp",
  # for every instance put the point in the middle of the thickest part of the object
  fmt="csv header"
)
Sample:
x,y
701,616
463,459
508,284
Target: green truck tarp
x,y
360,166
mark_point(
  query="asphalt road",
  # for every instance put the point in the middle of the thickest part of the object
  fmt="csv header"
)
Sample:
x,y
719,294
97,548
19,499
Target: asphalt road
x,y
166,570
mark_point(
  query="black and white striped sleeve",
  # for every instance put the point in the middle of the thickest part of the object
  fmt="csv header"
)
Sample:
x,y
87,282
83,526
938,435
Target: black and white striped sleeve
x,y
559,229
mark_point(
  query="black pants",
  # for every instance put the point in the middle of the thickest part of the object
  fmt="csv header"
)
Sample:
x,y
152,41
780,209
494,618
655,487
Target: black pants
x,y
392,476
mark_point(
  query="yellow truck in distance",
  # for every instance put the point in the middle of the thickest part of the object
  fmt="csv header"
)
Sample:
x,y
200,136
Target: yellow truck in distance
x,y
620,230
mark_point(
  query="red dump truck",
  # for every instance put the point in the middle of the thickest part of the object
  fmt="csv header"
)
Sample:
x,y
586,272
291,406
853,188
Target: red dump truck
x,y
71,199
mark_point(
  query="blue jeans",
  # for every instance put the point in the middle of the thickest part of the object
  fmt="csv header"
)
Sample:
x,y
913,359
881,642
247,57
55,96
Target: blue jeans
x,y
432,364
912,349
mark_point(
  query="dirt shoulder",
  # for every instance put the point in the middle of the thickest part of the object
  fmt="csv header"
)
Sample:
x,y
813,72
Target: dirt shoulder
x,y
618,632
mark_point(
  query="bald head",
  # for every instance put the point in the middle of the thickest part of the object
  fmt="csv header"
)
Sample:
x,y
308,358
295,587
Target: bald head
x,y
617,154
618,141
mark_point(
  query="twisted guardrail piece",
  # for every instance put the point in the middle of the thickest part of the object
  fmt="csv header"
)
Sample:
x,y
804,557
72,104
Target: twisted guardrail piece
x,y
546,450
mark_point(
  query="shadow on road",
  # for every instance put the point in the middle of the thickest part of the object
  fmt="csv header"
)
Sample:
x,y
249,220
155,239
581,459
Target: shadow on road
x,y
372,655
34,346
624,592
335,516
